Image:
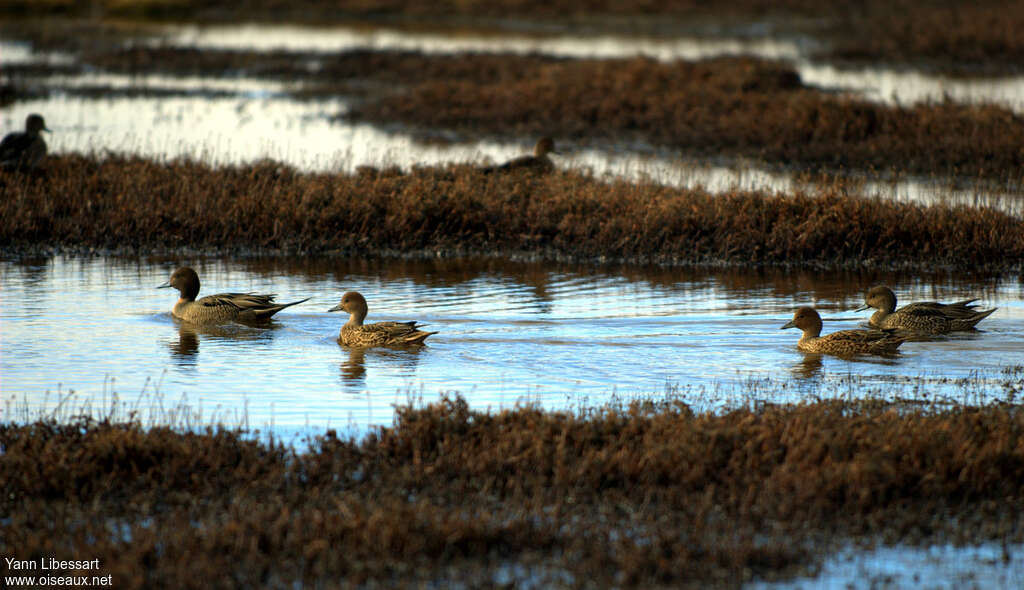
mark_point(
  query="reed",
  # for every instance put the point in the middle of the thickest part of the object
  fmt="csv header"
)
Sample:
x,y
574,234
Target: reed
x,y
132,204
648,493
734,107
725,107
952,35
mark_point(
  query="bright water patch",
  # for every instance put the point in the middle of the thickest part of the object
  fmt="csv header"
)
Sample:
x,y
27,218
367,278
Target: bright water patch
x,y
561,336
18,53
257,125
224,121
939,567
335,39
881,84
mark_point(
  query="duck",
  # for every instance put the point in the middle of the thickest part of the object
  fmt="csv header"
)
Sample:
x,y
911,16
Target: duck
x,y
356,334
844,342
220,308
24,150
538,162
925,317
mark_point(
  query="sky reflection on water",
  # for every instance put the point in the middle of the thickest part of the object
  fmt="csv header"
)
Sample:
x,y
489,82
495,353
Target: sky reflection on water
x,y
562,336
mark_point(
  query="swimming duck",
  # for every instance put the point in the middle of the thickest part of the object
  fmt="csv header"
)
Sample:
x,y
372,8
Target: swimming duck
x,y
355,333
26,149
844,342
538,162
927,317
220,308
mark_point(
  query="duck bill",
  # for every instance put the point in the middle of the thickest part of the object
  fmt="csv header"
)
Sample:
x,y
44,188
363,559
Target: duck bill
x,y
789,324
164,286
863,307
336,308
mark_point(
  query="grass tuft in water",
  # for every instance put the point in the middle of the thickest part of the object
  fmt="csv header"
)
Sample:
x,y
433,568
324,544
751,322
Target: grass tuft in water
x,y
634,494
132,204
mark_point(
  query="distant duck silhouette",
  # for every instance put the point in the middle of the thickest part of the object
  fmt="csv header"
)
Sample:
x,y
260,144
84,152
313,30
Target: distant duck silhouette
x,y
538,162
356,334
24,150
220,308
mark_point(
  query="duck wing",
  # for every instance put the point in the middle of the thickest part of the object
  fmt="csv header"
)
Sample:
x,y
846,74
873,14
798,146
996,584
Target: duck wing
x,y
391,333
247,306
958,310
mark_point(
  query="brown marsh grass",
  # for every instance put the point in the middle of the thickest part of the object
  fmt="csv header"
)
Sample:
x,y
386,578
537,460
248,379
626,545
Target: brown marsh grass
x,y
726,107
139,205
948,35
720,107
645,495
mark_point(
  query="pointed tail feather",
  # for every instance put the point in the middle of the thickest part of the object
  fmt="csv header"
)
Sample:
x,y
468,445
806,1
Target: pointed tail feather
x,y
268,312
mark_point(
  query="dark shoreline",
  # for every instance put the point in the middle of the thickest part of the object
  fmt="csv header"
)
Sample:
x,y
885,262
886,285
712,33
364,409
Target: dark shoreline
x,y
45,251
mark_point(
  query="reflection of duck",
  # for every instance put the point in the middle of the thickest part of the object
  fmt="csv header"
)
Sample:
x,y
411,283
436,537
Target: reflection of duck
x,y
808,367
187,345
927,317
24,150
394,360
220,308
538,162
354,333
186,348
353,371
844,342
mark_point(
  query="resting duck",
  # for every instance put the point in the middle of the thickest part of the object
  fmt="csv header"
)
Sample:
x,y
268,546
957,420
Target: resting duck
x,y
844,342
926,317
24,150
220,308
538,162
355,333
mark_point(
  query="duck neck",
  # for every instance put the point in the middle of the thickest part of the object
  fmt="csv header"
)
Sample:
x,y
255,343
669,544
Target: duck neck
x,y
356,319
190,290
811,332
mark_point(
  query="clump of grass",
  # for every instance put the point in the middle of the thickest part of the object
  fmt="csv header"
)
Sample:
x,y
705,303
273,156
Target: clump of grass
x,y
950,36
965,37
649,493
739,107
729,106
140,205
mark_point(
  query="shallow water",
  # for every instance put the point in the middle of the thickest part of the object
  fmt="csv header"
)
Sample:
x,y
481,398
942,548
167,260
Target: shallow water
x,y
86,335
238,120
562,336
253,125
939,567
882,84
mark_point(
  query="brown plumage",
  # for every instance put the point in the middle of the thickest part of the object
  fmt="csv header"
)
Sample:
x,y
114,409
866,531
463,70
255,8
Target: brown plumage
x,y
24,151
844,342
220,308
538,162
925,317
355,333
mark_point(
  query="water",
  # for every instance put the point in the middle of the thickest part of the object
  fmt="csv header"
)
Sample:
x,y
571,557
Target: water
x,y
881,84
88,334
563,336
248,127
240,120
939,567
